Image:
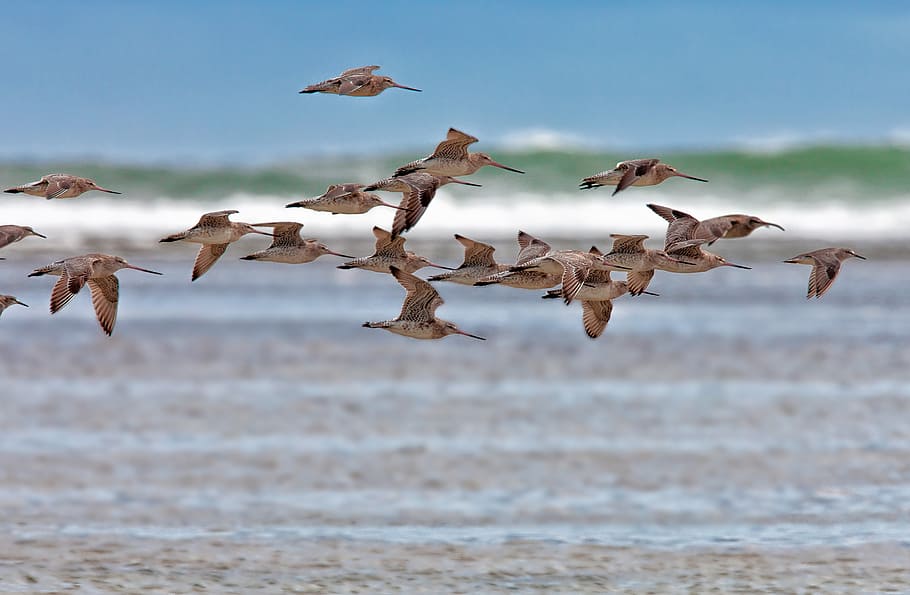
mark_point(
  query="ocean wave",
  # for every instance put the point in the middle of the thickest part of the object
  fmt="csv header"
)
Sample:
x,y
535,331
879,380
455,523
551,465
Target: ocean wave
x,y
821,173
591,215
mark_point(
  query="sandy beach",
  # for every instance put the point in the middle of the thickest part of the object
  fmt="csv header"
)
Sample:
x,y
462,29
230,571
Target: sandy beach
x,y
245,433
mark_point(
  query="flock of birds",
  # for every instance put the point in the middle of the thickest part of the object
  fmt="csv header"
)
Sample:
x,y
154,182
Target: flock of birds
x,y
569,275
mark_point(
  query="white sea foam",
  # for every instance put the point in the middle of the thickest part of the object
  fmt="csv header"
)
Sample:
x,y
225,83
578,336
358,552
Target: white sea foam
x,y
588,214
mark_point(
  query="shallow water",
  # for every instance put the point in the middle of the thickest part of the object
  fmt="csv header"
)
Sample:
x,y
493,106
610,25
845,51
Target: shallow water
x,y
245,432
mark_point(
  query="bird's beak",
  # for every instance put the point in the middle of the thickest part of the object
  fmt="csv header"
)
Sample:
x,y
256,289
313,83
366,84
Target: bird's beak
x,y
263,233
461,332
35,233
688,177
466,183
792,261
135,268
21,304
106,190
439,266
766,224
408,88
859,257
739,266
505,167
333,253
294,204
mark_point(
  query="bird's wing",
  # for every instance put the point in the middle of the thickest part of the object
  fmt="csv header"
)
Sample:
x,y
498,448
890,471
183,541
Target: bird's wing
x,y
287,233
628,244
60,294
57,186
639,165
638,280
359,70
574,274
595,316
713,229
822,275
415,201
422,299
352,82
207,256
78,271
476,253
105,295
681,226
455,146
531,248
386,244
216,217
687,248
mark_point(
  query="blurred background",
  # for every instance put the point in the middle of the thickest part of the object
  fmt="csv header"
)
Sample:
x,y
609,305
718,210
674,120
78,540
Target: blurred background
x,y
727,432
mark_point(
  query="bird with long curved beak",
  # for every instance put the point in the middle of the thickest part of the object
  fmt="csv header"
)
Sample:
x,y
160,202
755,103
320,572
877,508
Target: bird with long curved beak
x,y
356,82
635,172
215,232
95,270
59,186
418,312
451,158
289,247
681,244
825,265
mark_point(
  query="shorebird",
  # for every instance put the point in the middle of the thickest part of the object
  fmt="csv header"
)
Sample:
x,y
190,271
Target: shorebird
x,y
288,247
730,226
343,199
825,266
356,82
596,297
573,267
629,251
98,271
417,190
530,248
478,263
59,186
417,318
451,158
214,231
635,172
10,234
7,300
682,244
390,253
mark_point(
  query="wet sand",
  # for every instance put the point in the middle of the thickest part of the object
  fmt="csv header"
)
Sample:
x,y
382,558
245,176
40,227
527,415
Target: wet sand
x,y
244,433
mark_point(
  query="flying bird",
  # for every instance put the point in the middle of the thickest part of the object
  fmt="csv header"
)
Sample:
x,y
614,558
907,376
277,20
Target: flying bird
x,y
682,244
825,266
635,172
8,300
96,270
390,252
59,186
451,158
356,82
417,318
215,232
343,199
478,263
10,234
288,247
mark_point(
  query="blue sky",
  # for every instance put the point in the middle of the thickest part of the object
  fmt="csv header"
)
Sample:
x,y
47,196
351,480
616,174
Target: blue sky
x,y
210,81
